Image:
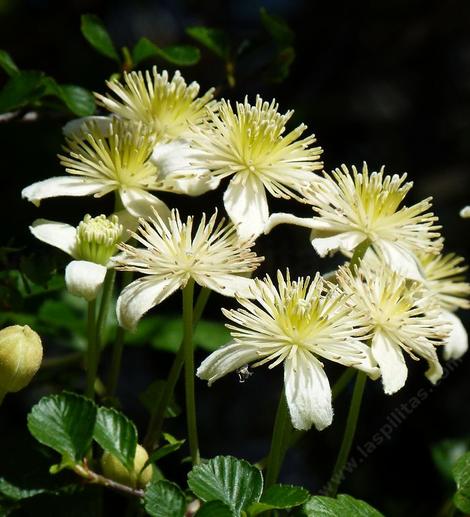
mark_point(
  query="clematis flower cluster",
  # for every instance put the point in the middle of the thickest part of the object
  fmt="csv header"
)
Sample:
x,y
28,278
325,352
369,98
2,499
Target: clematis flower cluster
x,y
395,302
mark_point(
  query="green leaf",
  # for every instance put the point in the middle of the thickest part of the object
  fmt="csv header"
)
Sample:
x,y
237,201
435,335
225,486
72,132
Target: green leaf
x,y
181,55
446,453
96,34
15,493
227,479
211,335
143,49
215,40
65,423
342,505
151,398
215,509
7,63
78,100
278,497
172,446
21,89
164,499
116,434
281,33
461,473
280,67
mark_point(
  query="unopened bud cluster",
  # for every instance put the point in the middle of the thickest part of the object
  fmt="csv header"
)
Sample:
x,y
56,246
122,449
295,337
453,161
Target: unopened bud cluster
x,y
97,238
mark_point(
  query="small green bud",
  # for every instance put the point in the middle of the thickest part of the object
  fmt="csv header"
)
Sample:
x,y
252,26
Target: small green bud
x,y
20,357
136,478
97,238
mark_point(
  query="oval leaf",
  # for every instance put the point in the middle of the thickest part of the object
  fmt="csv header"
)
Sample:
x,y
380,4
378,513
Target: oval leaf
x,y
65,423
164,499
281,33
78,100
215,509
322,506
7,63
116,434
461,473
143,49
96,34
20,90
278,497
227,479
215,40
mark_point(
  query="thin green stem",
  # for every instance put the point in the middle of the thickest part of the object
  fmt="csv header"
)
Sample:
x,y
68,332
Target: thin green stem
x,y
278,441
188,293
106,297
158,414
92,352
116,360
61,361
344,379
349,432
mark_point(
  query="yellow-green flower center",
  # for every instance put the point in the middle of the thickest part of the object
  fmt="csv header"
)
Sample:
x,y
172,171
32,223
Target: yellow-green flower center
x,y
97,238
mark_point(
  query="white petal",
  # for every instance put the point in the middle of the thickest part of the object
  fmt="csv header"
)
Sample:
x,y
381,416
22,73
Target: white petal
x,y
345,242
139,203
174,163
246,205
60,235
77,128
283,218
399,259
84,278
140,296
129,223
61,186
228,285
225,360
391,361
465,212
308,391
457,343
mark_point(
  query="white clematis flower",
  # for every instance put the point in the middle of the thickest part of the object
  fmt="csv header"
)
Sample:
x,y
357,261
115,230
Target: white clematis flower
x,y
465,212
91,245
249,144
400,319
297,323
175,251
102,163
357,207
443,279
168,109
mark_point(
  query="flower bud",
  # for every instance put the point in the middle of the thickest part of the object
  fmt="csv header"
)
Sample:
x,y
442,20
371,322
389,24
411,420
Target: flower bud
x,y
20,357
135,478
97,238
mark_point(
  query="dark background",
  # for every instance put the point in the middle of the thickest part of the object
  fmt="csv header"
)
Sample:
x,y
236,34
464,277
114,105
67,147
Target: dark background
x,y
387,82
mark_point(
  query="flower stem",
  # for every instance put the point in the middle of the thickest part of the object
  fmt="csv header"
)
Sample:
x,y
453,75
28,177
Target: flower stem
x,y
344,379
92,352
278,449
188,351
158,414
106,297
349,433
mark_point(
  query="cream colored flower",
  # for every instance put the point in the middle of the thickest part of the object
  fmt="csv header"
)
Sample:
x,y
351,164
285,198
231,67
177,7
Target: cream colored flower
x,y
354,207
400,319
91,244
465,212
250,145
175,251
102,163
168,108
444,280
296,322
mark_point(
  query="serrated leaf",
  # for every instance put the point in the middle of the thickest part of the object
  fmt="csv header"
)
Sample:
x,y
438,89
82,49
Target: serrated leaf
x,y
461,473
16,493
342,505
215,509
21,89
7,63
78,100
215,40
164,499
279,497
65,423
96,34
227,479
116,434
281,33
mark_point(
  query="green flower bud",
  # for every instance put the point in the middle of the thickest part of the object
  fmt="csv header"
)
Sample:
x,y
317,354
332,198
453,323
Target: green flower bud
x,y
136,478
97,238
20,357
